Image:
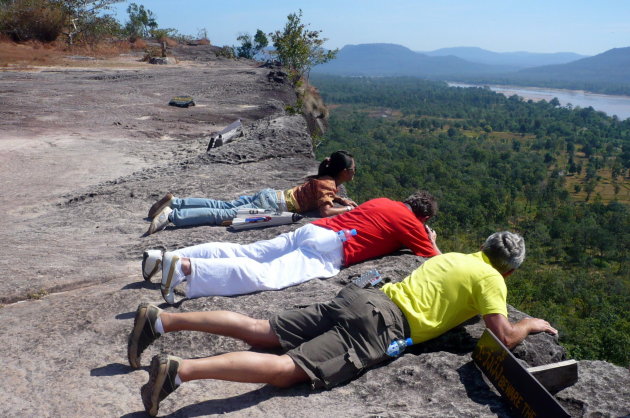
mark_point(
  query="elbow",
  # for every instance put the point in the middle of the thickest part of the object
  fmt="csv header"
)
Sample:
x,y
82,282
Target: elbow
x,y
325,212
509,343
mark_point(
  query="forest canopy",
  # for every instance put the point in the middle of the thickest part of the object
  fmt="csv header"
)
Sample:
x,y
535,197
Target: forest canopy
x,y
557,175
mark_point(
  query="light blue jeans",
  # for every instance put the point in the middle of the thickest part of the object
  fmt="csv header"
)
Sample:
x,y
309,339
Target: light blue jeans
x,y
195,211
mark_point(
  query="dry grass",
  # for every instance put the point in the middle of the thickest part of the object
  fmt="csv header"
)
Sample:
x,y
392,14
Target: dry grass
x,y
170,42
32,53
139,44
29,53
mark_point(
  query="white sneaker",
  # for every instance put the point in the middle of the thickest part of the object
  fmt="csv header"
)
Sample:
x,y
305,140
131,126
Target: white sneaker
x,y
170,276
151,263
160,221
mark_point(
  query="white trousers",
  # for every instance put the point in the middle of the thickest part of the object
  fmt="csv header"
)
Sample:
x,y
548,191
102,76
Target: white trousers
x,y
224,269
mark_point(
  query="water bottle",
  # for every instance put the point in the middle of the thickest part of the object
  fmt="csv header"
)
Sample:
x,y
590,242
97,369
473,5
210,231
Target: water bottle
x,y
346,234
398,346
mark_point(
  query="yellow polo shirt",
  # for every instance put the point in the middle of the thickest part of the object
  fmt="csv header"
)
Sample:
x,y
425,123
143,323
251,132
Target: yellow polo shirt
x,y
447,290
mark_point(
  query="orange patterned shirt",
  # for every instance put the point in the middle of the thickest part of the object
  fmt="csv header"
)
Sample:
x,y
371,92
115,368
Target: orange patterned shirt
x,y
313,194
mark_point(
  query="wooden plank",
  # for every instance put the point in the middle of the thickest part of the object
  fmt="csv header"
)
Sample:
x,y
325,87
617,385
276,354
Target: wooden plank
x,y
526,395
556,376
225,135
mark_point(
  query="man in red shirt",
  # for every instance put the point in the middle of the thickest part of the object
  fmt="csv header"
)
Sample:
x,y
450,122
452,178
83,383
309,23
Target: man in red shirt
x,y
314,250
384,226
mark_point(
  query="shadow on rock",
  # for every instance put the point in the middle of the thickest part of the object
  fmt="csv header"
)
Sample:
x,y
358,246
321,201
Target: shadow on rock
x,y
139,414
141,285
456,341
477,389
240,402
112,369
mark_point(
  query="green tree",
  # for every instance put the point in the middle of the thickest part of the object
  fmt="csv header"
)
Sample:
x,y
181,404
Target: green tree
x,y
87,22
141,21
260,41
93,29
298,48
249,47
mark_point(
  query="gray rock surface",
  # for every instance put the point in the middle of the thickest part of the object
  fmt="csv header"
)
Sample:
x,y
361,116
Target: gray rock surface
x,y
86,152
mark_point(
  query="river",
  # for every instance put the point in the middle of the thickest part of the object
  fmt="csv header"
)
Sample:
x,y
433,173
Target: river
x,y
609,104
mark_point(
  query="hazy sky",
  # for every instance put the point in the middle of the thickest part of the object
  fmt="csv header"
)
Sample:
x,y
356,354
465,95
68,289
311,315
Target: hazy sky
x,y
586,27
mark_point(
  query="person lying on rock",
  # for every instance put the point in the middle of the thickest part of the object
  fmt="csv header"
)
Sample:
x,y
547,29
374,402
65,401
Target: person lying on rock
x,y
318,249
318,192
333,342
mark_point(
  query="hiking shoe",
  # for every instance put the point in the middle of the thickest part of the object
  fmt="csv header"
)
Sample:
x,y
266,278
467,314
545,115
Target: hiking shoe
x,y
160,221
170,277
143,333
160,205
162,374
151,263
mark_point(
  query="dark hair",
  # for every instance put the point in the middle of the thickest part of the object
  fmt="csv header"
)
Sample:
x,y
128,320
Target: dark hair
x,y
335,164
505,250
422,203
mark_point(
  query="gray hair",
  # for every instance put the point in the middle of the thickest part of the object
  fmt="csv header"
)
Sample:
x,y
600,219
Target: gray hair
x,y
506,250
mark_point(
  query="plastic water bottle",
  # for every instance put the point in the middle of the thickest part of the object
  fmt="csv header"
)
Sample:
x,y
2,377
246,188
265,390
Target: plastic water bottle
x,y
396,347
346,234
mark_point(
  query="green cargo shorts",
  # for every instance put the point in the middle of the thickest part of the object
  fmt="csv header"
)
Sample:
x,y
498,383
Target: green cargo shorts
x,y
334,342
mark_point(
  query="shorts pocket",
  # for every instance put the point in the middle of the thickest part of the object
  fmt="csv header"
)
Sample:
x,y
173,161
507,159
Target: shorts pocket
x,y
340,369
385,314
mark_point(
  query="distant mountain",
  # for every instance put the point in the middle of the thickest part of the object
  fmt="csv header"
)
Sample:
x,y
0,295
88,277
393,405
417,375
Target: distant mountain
x,y
517,60
608,72
397,60
612,66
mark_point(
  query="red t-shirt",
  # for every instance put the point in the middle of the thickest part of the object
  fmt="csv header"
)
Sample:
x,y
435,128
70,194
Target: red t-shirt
x,y
383,226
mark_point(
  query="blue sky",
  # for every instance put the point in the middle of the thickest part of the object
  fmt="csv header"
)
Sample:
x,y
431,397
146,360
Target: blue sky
x,y
586,27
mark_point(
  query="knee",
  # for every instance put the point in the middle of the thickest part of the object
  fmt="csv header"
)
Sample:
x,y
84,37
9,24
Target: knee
x,y
287,373
261,335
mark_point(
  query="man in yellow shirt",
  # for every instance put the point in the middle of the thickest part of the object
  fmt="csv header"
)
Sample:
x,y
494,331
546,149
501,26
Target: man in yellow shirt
x,y
330,343
452,288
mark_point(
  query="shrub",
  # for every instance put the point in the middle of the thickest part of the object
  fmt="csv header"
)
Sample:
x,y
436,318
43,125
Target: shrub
x,y
163,35
152,52
94,29
226,52
25,20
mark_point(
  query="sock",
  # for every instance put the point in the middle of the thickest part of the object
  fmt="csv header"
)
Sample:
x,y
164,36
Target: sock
x,y
159,328
178,380
179,276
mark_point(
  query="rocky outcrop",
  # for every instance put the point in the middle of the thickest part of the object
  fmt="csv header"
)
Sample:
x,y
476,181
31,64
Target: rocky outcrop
x,y
73,262
314,109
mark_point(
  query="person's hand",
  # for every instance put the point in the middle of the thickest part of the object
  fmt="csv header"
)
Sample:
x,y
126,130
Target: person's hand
x,y
348,202
432,234
540,325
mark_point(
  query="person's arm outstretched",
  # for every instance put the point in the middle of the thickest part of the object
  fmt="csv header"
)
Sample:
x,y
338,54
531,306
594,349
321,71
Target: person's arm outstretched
x,y
345,202
330,210
511,334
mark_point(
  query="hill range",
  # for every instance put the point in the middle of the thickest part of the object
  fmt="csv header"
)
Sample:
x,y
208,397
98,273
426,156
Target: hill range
x,y
605,73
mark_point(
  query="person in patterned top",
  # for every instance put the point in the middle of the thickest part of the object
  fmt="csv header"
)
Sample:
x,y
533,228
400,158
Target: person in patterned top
x,y
318,192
